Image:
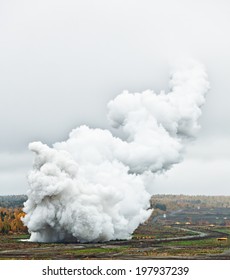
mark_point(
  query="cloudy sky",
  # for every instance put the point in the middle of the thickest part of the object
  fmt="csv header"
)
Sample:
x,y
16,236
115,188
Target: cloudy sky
x,y
62,61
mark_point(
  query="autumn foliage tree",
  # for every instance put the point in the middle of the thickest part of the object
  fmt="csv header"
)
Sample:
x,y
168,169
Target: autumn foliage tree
x,y
10,221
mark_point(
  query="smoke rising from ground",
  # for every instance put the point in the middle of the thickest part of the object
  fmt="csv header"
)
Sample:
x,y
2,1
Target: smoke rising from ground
x,y
92,186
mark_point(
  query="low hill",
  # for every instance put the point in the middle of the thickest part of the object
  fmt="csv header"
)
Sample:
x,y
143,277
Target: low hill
x,y
12,201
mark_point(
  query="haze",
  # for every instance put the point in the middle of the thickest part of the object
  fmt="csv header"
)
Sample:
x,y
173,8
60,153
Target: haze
x,y
62,61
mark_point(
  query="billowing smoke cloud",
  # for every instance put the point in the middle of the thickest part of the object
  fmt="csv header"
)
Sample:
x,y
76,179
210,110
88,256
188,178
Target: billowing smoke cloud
x,y
91,187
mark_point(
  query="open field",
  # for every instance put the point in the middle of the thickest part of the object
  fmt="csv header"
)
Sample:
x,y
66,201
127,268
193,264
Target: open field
x,y
182,234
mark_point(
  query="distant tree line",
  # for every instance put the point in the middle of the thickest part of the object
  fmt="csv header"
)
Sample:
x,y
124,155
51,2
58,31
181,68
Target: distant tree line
x,y
12,201
174,202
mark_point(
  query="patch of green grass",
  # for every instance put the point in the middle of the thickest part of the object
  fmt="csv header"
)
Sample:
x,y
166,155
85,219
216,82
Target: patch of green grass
x,y
20,236
197,243
223,230
8,238
100,250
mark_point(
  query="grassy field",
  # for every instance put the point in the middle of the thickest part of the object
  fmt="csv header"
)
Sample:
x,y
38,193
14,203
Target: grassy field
x,y
13,247
158,238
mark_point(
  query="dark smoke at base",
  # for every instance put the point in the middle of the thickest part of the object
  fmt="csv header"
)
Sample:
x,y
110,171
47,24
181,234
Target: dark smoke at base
x,y
92,187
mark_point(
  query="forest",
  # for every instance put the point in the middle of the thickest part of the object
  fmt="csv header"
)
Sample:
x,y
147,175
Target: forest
x,y
11,213
12,201
10,221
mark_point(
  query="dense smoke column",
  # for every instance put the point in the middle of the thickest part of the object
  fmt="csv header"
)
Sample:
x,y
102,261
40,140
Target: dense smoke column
x,y
91,187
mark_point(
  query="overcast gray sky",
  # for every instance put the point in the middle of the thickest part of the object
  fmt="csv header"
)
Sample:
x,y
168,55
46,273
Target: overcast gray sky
x,y
62,61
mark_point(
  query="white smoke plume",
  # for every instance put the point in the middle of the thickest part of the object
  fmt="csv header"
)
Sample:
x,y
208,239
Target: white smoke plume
x,y
91,187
